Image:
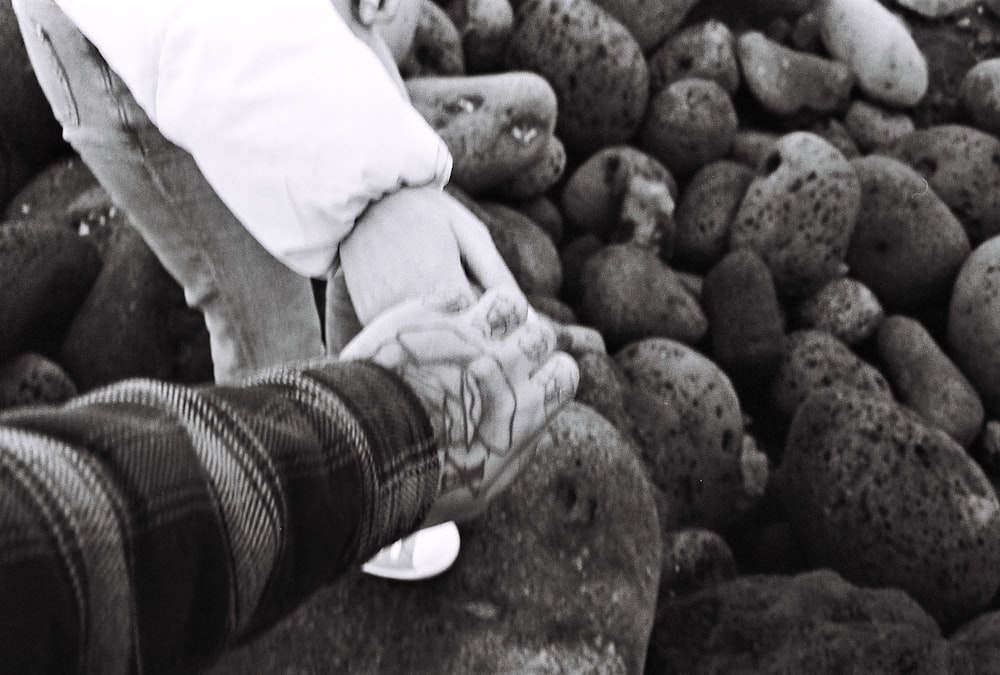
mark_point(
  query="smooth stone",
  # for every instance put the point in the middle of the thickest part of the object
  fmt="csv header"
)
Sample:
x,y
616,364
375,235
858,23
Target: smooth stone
x,y
630,294
975,647
706,210
815,361
745,322
907,245
786,81
885,499
924,378
877,47
603,387
980,95
536,179
815,623
485,27
974,322
872,126
593,63
800,214
687,420
52,190
693,559
752,146
962,165
574,256
836,134
689,124
559,575
705,50
846,308
545,213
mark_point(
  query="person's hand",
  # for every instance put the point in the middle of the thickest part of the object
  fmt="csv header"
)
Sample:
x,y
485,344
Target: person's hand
x,y
417,242
490,378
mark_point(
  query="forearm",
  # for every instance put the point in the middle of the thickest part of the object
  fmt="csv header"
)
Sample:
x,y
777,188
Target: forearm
x,y
158,523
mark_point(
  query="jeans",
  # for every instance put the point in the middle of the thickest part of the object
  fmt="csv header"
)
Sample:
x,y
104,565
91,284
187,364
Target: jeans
x,y
258,312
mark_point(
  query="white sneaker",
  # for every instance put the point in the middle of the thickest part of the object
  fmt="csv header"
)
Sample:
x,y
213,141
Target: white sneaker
x,y
424,554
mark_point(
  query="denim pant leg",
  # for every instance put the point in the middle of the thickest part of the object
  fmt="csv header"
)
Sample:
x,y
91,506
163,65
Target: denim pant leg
x,y
258,312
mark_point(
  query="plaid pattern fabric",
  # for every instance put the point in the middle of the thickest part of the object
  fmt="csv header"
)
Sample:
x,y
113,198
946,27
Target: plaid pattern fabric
x,y
146,526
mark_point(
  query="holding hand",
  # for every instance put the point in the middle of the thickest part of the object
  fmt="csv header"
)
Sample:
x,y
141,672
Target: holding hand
x,y
490,378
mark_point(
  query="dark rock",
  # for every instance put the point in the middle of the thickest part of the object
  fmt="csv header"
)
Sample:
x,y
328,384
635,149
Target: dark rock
x,y
706,210
604,388
745,322
559,575
649,22
704,50
528,251
46,271
885,499
846,308
814,623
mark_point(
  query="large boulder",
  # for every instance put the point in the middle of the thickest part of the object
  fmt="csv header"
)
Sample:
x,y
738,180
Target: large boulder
x,y
559,575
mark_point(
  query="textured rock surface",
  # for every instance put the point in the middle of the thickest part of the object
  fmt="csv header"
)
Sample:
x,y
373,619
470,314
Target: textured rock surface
x,y
814,623
800,215
872,126
629,294
907,246
32,379
649,22
559,575
846,308
687,420
786,81
688,124
705,50
887,500
962,165
594,64
980,95
528,251
814,361
706,210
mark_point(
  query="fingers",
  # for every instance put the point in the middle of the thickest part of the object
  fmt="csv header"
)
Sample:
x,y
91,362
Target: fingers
x,y
479,252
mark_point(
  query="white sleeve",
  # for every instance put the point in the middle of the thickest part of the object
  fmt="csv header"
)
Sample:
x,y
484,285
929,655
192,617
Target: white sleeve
x,y
293,120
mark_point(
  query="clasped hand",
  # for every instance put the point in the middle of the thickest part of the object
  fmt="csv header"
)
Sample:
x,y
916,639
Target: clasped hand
x,y
490,377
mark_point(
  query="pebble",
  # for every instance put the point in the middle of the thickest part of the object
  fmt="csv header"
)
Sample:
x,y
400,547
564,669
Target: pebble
x,y
528,251
877,47
603,387
845,308
752,146
979,95
962,166
593,63
693,559
872,126
907,245
436,48
885,499
688,124
974,322
496,126
924,378
814,361
543,211
536,179
592,197
630,294
786,81
485,27
649,22
705,50
706,210
573,256
687,419
745,322
799,215
836,134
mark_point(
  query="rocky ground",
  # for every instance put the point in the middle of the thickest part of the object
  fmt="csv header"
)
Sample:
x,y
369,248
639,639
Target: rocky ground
x,y
783,216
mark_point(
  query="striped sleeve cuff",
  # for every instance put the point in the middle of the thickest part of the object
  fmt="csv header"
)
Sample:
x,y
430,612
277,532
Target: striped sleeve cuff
x,y
398,462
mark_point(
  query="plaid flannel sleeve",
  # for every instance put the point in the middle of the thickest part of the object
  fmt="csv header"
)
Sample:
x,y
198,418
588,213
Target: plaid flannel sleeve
x,y
146,526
